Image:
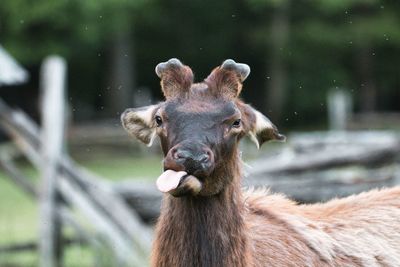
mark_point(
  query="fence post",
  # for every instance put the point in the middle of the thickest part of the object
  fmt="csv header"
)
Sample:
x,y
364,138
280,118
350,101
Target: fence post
x,y
52,134
339,109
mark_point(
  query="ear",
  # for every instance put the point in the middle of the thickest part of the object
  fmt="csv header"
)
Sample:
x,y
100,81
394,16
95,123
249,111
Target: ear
x,y
176,78
228,78
258,127
139,122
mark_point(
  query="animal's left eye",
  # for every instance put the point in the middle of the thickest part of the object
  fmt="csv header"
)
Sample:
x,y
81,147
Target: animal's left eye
x,y
236,123
158,120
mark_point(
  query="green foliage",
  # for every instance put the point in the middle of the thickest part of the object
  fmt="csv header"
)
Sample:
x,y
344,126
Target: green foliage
x,y
325,37
33,29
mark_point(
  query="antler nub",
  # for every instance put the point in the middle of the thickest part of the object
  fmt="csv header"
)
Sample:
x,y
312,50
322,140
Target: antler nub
x,y
172,63
242,69
176,78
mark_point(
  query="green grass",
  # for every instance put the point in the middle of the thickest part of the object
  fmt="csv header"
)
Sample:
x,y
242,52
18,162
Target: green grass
x,y
18,222
126,167
19,213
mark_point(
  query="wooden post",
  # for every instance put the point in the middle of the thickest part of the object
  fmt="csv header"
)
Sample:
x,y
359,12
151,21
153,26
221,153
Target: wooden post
x,y
52,85
339,109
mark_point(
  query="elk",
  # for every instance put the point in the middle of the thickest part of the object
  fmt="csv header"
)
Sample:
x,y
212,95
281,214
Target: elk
x,y
208,220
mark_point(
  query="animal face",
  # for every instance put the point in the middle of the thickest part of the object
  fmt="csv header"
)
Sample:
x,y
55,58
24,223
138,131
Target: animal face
x,y
199,126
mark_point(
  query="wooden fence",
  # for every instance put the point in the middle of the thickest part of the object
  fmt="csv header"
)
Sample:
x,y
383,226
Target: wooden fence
x,y
68,192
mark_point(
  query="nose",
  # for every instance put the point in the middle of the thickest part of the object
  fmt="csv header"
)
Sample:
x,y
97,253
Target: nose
x,y
194,159
186,154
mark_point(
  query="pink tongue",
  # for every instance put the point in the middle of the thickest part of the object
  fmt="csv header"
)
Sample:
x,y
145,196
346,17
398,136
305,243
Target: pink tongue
x,y
169,180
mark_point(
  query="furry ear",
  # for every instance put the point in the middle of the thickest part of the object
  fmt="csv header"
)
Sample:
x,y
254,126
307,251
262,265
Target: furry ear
x,y
258,127
176,78
139,122
228,78
264,130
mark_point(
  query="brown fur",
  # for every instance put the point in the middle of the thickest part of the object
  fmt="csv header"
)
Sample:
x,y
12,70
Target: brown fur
x,y
220,225
255,228
176,81
204,231
224,82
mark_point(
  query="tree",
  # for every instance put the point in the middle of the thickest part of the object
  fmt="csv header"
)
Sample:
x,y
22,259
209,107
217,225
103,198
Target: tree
x,y
71,28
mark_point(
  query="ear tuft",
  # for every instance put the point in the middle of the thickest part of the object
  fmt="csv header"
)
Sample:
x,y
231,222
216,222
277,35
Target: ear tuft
x,y
242,69
258,127
139,123
265,135
264,130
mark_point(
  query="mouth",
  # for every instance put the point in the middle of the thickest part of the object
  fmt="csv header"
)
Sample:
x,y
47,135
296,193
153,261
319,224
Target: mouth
x,y
178,183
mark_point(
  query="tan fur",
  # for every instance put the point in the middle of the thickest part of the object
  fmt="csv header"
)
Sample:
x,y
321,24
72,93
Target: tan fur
x,y
360,230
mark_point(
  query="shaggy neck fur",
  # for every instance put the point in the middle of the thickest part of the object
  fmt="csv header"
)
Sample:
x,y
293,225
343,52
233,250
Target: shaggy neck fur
x,y
203,231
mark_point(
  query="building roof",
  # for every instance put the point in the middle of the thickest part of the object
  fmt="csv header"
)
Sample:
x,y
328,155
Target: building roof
x,y
11,73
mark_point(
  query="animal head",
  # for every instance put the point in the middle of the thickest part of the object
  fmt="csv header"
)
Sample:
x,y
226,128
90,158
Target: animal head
x,y
199,126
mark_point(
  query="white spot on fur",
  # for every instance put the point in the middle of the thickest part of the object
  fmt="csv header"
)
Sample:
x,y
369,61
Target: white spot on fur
x,y
261,124
146,114
253,138
152,138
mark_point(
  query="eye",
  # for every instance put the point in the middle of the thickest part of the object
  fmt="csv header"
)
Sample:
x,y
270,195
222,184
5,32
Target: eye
x,y
158,120
236,123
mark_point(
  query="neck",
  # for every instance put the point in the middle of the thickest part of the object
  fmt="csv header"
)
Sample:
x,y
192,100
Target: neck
x,y
202,231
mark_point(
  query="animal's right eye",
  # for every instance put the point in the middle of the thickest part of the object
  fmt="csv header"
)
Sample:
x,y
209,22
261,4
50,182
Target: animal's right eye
x,y
158,121
236,123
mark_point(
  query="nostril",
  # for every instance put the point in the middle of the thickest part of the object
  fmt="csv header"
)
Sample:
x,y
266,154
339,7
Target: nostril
x,y
210,156
175,153
192,158
178,154
205,157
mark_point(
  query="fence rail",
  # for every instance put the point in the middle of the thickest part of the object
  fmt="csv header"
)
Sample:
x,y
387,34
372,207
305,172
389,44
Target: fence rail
x,y
66,189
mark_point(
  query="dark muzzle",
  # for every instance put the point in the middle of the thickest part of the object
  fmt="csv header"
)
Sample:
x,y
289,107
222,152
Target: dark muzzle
x,y
195,159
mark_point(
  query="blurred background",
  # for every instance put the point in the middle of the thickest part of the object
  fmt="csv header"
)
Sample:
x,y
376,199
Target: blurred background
x,y
324,71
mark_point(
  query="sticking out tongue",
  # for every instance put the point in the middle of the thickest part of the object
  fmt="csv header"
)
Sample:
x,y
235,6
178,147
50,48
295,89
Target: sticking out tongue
x,y
169,180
